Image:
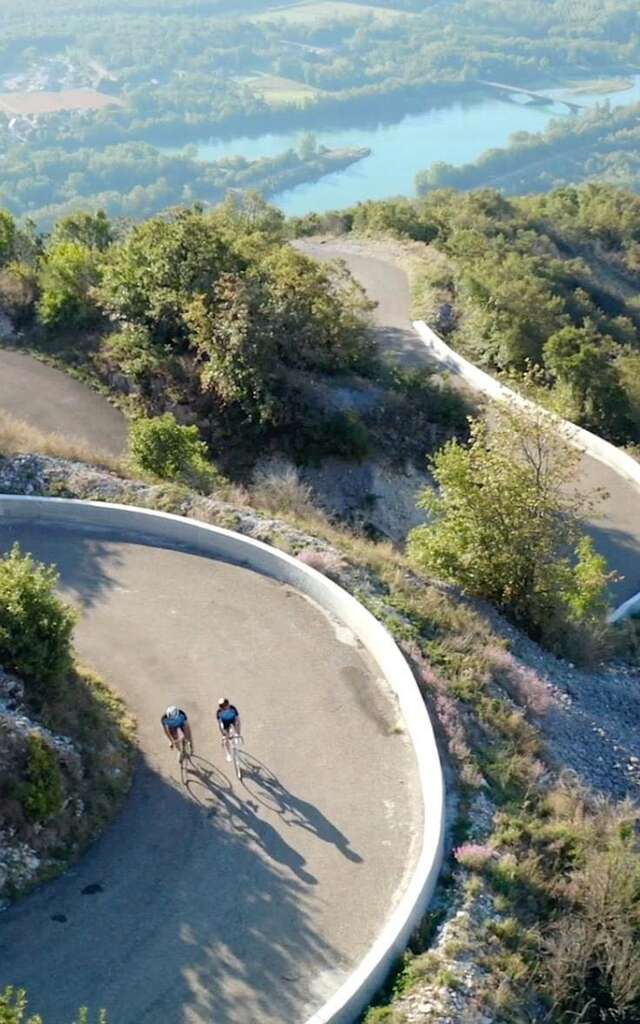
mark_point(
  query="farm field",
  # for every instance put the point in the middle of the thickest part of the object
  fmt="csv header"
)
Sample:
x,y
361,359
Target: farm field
x,y
21,104
319,11
278,91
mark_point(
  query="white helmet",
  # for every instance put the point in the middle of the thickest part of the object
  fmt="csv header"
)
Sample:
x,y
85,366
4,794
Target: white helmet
x,y
172,711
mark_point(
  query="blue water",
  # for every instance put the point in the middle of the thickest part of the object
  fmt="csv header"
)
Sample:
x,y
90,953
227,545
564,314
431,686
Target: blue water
x,y
456,133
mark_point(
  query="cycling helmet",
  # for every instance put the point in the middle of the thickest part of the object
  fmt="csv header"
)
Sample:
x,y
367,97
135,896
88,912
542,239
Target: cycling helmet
x,y
222,703
172,711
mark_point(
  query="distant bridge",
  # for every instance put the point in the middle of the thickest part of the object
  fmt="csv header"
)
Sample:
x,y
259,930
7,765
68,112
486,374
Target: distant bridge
x,y
535,97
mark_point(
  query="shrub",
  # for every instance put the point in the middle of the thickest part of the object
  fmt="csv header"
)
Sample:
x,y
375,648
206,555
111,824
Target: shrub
x,y
278,488
35,625
41,795
327,562
505,525
162,447
474,856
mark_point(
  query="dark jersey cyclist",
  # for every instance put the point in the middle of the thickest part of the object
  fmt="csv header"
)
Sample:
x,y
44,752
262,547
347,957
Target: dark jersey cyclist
x,y
228,717
174,721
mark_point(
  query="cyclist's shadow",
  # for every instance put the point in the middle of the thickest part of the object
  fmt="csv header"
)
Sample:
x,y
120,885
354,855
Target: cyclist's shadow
x,y
204,781
267,789
211,789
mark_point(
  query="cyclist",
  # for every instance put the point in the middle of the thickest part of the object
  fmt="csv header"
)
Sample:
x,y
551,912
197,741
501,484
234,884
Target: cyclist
x,y
228,718
174,722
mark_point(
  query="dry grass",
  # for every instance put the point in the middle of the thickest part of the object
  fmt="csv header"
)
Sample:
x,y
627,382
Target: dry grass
x,y
278,489
19,438
329,563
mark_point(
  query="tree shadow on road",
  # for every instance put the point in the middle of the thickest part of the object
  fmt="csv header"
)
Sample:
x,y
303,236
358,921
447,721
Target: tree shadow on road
x,y
192,915
87,563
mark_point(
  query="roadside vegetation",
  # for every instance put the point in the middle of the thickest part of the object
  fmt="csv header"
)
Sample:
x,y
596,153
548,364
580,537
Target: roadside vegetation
x,y
214,319
541,289
14,1010
544,871
67,740
504,525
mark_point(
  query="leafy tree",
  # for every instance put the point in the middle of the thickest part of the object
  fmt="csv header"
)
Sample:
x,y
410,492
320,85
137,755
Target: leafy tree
x,y
163,447
151,277
505,526
236,347
68,274
318,314
92,230
582,359
35,625
7,237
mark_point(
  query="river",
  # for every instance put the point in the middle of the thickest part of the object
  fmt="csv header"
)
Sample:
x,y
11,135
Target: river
x,y
456,133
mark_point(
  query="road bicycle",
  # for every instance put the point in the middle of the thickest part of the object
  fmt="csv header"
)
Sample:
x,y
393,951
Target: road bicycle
x,y
231,740
184,748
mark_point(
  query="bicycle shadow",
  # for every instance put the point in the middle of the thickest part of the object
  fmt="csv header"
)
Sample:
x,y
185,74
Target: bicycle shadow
x,y
209,787
261,783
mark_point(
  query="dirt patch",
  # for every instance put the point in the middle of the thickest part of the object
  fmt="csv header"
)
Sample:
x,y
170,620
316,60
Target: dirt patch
x,y
24,104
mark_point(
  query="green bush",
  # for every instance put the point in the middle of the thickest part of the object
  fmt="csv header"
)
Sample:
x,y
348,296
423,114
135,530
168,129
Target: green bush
x,y
35,625
173,452
505,525
41,794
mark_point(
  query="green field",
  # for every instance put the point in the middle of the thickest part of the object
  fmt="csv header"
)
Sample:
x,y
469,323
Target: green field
x,y
278,91
327,11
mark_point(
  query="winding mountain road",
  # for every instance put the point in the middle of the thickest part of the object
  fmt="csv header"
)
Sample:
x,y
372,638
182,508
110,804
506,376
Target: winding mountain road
x,y
616,526
207,900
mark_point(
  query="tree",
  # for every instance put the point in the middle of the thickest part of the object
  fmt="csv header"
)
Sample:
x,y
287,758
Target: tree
x,y
236,347
92,230
7,237
68,274
35,625
583,359
150,278
505,527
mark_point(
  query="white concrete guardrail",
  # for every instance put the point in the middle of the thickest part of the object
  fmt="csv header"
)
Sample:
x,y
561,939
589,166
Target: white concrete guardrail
x,y
584,440
174,531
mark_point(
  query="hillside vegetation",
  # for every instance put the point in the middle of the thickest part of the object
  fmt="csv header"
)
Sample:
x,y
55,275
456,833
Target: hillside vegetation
x,y
215,318
542,288
600,145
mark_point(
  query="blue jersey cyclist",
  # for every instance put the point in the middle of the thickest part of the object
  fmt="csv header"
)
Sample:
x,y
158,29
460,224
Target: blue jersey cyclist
x,y
175,722
228,718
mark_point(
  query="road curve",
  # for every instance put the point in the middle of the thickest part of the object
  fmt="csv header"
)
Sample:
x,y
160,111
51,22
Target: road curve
x,y
53,401
616,527
208,900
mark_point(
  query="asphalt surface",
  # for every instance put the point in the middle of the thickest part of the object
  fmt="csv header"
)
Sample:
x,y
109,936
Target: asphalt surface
x,y
616,526
210,900
53,401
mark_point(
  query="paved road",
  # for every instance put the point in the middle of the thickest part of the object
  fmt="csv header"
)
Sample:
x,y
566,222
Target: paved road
x,y
616,529
220,902
52,401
